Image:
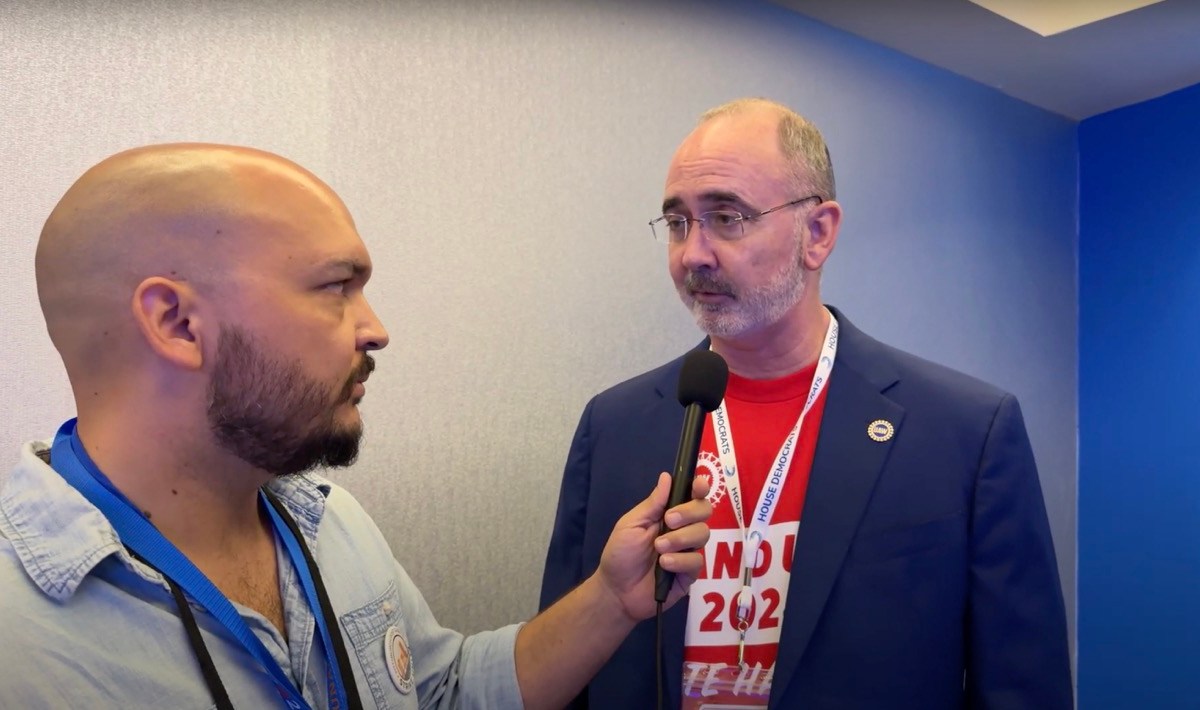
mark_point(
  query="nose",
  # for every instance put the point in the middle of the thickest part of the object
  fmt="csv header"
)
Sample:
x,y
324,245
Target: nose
x,y
371,333
695,252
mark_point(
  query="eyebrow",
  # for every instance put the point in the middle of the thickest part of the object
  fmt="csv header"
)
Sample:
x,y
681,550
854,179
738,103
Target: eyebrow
x,y
354,267
710,197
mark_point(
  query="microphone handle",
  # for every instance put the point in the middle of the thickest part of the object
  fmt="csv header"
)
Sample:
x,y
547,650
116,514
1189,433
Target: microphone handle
x,y
681,483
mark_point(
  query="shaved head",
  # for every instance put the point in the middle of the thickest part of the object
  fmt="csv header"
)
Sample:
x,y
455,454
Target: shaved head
x,y
187,212
215,293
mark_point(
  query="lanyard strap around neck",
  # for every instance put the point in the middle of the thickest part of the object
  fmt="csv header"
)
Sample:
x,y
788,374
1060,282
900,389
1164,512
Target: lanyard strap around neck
x,y
342,689
137,533
772,491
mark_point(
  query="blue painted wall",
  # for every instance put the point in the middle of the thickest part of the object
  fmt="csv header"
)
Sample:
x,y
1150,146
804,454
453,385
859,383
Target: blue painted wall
x,y
1139,406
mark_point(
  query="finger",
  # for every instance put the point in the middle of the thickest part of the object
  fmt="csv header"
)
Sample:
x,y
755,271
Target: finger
x,y
701,485
650,510
662,490
657,502
692,537
683,563
693,511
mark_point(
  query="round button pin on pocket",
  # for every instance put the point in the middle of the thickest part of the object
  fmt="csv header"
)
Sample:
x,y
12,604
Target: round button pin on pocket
x,y
399,659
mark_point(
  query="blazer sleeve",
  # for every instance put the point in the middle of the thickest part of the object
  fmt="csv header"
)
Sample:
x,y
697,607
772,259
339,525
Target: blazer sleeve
x,y
1017,649
564,558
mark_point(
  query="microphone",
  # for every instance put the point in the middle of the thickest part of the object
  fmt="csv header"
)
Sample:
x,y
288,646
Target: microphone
x,y
702,382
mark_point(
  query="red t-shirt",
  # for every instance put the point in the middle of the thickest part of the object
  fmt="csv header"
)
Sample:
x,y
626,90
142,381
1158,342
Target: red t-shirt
x,y
761,415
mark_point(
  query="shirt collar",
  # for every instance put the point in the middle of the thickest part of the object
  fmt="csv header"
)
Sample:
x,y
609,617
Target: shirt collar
x,y
60,537
304,497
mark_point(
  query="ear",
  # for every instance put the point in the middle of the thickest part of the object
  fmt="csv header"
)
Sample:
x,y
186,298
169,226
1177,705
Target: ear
x,y
167,314
823,223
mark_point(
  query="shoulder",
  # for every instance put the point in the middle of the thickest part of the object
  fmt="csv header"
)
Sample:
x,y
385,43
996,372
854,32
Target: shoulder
x,y
947,382
913,381
647,388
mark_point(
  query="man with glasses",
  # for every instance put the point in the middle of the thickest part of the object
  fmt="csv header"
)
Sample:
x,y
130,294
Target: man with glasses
x,y
901,496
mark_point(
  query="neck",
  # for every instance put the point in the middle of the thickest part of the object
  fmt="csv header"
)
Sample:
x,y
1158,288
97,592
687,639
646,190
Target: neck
x,y
202,499
778,349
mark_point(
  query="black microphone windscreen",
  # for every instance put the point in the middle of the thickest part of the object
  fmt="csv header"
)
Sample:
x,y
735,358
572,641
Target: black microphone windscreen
x,y
702,379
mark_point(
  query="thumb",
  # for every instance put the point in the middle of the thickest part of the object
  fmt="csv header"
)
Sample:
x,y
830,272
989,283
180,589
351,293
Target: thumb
x,y
651,510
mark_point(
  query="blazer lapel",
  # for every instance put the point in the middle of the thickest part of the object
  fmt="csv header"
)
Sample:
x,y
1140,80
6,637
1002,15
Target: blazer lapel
x,y
845,468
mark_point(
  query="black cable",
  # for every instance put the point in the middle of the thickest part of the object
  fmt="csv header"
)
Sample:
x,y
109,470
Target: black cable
x,y
658,651
208,668
326,610
211,678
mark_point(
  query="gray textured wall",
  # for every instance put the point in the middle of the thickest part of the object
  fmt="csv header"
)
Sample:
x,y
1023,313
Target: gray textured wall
x,y
501,159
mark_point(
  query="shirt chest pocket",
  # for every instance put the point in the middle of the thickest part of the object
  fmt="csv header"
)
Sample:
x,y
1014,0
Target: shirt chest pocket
x,y
379,639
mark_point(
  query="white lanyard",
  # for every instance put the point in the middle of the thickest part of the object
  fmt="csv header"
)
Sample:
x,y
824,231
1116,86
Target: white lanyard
x,y
773,487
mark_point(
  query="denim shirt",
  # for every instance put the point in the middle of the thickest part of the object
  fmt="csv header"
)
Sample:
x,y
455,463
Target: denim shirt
x,y
85,625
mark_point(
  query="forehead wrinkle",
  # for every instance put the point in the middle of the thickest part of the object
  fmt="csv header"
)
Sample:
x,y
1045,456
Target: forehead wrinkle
x,y
710,179
731,158
707,199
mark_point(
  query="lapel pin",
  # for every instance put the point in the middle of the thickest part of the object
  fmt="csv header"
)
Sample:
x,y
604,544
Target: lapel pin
x,y
881,430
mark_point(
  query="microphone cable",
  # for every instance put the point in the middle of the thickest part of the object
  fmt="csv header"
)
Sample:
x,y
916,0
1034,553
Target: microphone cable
x,y
703,375
658,651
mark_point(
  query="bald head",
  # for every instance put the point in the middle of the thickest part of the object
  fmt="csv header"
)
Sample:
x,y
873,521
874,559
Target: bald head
x,y
184,212
801,144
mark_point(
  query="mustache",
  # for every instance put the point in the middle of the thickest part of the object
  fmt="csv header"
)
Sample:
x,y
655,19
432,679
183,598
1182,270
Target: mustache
x,y
365,368
707,282
360,374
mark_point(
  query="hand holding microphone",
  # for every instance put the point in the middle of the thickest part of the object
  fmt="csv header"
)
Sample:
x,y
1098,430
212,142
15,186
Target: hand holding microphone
x,y
641,535
702,381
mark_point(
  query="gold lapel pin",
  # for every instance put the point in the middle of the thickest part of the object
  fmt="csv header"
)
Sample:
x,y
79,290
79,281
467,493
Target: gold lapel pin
x,y
881,430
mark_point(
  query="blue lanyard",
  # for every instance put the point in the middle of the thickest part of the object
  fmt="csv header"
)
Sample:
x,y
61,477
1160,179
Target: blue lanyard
x,y
337,691
72,462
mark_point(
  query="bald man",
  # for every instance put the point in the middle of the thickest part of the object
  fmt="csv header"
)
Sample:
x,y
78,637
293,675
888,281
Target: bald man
x,y
170,546
879,539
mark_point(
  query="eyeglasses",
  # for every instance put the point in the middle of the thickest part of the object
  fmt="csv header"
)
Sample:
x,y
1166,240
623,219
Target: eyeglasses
x,y
722,225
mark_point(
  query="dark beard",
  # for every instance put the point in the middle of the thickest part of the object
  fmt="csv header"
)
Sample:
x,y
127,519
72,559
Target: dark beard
x,y
273,416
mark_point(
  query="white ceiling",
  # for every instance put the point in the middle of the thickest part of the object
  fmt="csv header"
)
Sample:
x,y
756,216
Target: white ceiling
x,y
1115,62
1049,18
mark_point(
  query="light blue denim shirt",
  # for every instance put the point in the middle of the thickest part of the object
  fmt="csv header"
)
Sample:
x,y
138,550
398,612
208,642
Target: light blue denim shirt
x,y
84,625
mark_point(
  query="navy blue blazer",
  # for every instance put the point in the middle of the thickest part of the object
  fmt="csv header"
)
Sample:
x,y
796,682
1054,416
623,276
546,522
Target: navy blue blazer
x,y
923,576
